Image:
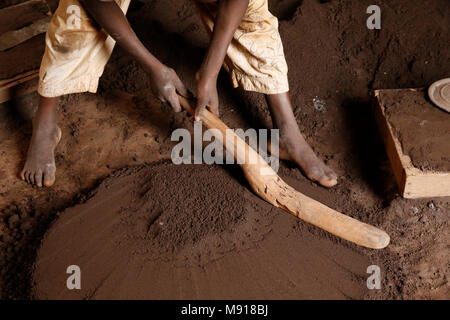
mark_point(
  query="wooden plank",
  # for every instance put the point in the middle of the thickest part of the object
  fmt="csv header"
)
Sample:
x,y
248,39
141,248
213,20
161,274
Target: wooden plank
x,y
20,15
25,57
19,87
13,38
9,3
413,182
20,79
3,83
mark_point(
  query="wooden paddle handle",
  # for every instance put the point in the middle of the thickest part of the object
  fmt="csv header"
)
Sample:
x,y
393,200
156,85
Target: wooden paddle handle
x,y
268,185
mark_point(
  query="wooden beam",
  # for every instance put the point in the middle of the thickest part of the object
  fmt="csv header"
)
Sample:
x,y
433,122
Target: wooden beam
x,y
23,14
18,86
17,79
13,38
9,3
24,57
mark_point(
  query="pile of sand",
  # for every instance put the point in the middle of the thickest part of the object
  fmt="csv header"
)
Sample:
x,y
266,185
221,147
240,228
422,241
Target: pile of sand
x,y
152,220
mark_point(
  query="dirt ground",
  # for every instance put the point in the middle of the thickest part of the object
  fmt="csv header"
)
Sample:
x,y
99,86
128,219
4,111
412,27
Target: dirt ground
x,y
334,63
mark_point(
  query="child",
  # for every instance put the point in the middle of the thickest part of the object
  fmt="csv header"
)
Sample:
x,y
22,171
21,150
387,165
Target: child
x,y
244,39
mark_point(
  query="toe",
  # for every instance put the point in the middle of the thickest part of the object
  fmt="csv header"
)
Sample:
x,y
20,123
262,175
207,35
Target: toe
x,y
38,178
22,174
322,177
49,176
331,177
327,181
31,177
27,176
315,173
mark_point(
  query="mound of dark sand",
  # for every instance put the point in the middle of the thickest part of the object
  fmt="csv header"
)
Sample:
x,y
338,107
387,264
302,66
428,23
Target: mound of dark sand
x,y
167,231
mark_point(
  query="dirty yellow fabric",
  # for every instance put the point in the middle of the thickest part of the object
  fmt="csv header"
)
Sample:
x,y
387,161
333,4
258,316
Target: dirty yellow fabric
x,y
77,50
255,57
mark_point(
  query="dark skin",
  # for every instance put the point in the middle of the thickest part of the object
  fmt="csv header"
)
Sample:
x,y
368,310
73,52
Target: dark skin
x,y
40,169
229,16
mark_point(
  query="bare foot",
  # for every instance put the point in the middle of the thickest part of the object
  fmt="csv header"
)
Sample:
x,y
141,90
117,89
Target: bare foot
x,y
292,144
307,160
314,168
40,166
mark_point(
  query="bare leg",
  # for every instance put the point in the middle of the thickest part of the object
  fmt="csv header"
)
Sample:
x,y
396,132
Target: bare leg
x,y
294,144
40,166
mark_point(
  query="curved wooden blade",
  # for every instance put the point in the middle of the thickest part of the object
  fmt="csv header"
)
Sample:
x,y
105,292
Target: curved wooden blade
x,y
268,185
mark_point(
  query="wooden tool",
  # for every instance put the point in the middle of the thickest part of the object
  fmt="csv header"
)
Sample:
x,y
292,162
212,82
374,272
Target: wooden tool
x,y
273,189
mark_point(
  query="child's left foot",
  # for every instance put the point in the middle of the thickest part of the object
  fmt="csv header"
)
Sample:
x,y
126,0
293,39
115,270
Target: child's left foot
x,y
292,144
301,153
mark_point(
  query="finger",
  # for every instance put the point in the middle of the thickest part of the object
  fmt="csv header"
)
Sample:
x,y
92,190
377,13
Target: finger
x,y
161,98
199,109
181,88
214,108
174,101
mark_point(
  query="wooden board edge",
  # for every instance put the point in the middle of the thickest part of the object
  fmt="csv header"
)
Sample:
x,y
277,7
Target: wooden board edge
x,y
45,6
19,86
24,77
14,38
5,82
413,182
436,185
389,143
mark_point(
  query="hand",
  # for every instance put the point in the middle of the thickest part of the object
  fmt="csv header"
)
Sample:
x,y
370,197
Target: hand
x,y
207,96
166,84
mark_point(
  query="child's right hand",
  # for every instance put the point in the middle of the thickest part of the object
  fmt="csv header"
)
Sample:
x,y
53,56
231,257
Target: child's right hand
x,y
166,84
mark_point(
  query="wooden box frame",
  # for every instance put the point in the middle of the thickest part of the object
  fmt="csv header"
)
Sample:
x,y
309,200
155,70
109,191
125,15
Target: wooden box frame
x,y
413,182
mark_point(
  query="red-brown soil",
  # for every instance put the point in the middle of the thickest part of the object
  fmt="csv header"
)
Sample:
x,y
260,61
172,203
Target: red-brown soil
x,y
333,58
165,231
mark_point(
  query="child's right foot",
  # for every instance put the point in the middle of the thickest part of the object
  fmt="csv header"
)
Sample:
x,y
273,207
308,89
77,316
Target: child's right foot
x,y
40,166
